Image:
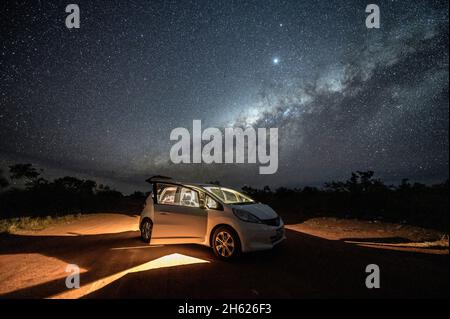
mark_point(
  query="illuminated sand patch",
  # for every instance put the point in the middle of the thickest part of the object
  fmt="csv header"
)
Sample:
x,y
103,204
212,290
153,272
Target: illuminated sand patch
x,y
22,271
162,262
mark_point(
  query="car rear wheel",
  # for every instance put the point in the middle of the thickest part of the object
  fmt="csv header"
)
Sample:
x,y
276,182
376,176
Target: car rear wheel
x,y
226,243
146,230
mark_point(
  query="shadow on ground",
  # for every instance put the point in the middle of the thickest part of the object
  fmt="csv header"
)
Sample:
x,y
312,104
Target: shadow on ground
x,y
304,266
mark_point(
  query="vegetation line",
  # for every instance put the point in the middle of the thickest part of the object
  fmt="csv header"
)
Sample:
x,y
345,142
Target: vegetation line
x,y
362,196
12,225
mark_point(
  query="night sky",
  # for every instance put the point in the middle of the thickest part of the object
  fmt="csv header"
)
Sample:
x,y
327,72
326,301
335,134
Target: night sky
x,y
99,102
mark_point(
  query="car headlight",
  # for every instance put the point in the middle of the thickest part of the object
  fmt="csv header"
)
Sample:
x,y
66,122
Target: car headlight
x,y
246,216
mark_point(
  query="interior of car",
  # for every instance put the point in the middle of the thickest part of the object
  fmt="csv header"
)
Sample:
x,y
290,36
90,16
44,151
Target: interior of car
x,y
177,195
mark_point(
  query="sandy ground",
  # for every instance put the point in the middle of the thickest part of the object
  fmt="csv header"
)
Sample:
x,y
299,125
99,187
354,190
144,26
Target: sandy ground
x,y
376,234
93,224
322,257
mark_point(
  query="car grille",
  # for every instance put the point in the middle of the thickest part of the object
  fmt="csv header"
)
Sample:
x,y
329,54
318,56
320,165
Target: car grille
x,y
272,221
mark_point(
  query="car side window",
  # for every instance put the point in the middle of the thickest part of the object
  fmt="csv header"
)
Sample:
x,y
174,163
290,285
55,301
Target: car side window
x,y
211,203
166,194
176,195
189,197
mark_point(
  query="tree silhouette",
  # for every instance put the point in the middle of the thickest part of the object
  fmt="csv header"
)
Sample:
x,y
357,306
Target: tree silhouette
x,y
24,172
76,185
3,181
362,196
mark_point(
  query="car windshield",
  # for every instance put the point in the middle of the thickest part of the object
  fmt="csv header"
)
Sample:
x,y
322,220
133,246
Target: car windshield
x,y
229,196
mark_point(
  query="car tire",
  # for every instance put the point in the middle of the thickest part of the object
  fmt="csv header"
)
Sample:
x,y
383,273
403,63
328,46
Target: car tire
x,y
146,230
226,243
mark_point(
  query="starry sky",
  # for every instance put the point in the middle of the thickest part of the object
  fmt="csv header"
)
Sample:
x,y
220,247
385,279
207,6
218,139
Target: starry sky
x,y
100,101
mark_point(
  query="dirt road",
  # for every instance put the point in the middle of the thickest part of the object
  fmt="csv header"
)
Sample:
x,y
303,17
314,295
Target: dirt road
x,y
312,263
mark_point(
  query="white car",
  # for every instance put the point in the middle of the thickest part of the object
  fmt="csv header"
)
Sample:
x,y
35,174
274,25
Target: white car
x,y
222,218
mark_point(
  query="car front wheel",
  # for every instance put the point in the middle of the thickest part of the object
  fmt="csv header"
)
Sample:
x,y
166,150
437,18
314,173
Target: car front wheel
x,y
226,243
146,231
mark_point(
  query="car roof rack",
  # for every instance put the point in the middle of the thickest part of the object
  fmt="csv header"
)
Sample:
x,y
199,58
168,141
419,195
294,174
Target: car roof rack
x,y
156,178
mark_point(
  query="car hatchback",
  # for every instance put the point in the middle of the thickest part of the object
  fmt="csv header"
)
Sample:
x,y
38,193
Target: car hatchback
x,y
222,218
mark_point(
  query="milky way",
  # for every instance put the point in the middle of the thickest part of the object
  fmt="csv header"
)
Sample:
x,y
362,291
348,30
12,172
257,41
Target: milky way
x,y
100,101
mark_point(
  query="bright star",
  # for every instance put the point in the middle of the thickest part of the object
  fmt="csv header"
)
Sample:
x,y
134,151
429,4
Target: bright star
x,y
276,61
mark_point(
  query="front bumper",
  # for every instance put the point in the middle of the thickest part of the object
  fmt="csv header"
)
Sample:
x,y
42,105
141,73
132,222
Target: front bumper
x,y
256,237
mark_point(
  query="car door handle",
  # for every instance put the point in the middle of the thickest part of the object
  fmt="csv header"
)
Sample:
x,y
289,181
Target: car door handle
x,y
164,213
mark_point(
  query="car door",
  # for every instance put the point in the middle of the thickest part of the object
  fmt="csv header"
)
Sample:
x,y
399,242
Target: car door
x,y
178,215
